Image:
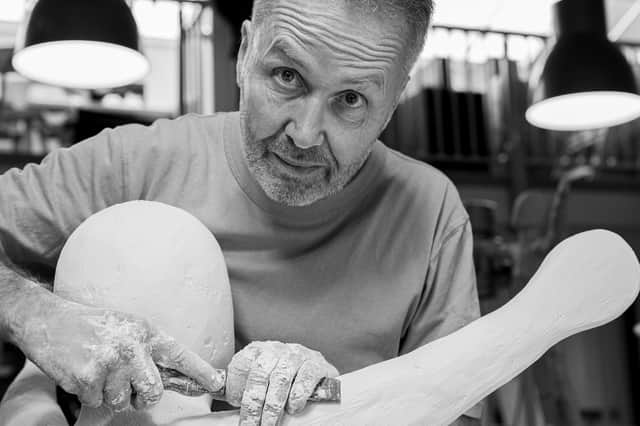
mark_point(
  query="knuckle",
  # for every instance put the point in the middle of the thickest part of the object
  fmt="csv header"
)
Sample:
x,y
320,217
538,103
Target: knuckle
x,y
280,379
253,398
90,399
234,389
237,369
252,409
88,377
273,407
234,396
119,400
257,381
150,393
294,407
300,392
146,400
234,400
315,370
306,378
269,418
249,420
264,363
250,351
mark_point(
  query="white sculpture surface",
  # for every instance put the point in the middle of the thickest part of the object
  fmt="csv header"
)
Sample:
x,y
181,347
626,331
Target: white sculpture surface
x,y
586,281
176,278
160,263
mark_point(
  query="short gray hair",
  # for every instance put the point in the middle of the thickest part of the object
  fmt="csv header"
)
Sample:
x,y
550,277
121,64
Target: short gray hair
x,y
416,12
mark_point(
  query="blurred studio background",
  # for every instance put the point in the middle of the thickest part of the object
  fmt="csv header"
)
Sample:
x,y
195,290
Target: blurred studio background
x,y
499,101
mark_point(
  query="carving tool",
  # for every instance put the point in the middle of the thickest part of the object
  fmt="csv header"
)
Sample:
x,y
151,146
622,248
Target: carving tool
x,y
327,390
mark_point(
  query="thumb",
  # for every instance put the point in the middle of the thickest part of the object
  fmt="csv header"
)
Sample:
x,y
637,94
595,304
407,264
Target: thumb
x,y
167,352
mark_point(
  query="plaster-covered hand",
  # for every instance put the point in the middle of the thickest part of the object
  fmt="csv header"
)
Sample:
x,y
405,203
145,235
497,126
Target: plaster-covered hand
x,y
266,378
102,356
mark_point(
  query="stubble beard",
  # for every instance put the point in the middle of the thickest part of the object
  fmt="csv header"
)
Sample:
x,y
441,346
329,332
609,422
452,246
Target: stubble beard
x,y
289,190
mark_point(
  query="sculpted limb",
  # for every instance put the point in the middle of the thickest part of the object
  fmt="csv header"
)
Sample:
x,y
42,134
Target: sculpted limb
x,y
158,263
593,276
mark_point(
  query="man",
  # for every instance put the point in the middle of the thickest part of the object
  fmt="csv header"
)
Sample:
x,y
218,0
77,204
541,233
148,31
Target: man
x,y
341,253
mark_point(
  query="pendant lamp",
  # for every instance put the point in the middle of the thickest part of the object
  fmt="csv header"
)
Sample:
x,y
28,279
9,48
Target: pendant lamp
x,y
81,44
584,81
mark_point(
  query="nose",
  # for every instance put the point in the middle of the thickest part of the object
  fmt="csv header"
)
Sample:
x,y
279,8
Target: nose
x,y
306,127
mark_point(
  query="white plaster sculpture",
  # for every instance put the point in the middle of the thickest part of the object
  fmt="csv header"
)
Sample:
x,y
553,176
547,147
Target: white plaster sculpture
x,y
162,264
587,280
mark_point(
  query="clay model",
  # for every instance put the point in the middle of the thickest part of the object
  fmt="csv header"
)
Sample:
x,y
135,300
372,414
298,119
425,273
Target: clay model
x,y
586,281
162,264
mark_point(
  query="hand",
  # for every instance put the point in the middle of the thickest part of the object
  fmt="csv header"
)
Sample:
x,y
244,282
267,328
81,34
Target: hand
x,y
108,357
265,378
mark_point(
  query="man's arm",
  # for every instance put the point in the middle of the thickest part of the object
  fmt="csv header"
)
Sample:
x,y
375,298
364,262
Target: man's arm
x,y
88,350
85,350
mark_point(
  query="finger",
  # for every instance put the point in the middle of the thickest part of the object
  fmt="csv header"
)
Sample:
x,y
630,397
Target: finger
x,y
91,384
332,371
166,351
279,385
308,377
238,373
90,397
256,389
117,390
145,380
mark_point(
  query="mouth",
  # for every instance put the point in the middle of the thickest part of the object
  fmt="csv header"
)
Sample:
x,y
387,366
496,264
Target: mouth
x,y
298,167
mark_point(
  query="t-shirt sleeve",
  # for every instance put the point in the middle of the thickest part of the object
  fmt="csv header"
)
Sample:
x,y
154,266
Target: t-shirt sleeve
x,y
41,204
450,297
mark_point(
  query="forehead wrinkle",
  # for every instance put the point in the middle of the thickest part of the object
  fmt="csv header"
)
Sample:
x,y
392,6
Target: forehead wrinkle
x,y
279,45
375,69
374,79
353,59
385,46
352,55
291,20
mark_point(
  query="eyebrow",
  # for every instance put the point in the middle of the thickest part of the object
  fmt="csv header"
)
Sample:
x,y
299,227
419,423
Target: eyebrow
x,y
283,49
286,51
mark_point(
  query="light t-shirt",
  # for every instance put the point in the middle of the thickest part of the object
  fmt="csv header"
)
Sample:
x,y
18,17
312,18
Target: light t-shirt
x,y
370,273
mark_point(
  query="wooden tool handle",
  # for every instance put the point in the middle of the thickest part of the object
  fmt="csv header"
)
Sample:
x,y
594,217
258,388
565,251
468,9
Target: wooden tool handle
x,y
327,390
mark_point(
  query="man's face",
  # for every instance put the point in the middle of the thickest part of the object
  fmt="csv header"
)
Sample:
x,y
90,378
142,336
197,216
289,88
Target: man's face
x,y
318,83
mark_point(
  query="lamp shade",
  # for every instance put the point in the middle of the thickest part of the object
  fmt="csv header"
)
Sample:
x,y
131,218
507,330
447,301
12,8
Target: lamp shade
x,y
85,44
584,81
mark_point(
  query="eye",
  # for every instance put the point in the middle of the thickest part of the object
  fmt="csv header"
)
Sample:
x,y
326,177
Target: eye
x,y
353,99
287,77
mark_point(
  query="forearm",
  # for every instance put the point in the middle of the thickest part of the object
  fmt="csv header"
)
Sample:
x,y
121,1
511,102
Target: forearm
x,y
21,298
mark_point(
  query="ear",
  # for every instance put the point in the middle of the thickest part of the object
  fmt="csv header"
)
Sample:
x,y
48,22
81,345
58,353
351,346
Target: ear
x,y
246,33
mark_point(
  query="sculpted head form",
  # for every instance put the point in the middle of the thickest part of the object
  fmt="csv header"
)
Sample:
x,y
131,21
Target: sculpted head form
x,y
161,264
318,83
